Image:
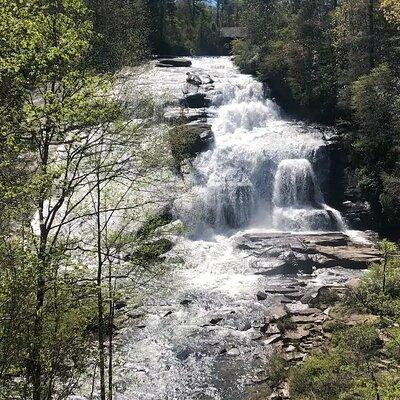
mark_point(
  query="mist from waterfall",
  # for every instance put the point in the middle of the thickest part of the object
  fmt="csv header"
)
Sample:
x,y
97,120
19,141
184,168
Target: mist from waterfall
x,y
260,171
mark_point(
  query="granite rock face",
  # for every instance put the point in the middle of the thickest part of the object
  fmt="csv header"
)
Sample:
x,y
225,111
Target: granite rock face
x,y
286,253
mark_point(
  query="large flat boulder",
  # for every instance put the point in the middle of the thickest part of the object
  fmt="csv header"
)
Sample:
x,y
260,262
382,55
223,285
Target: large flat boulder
x,y
195,100
287,253
173,62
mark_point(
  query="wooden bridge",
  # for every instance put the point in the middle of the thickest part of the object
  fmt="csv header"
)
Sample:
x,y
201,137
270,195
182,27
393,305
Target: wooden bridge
x,y
233,32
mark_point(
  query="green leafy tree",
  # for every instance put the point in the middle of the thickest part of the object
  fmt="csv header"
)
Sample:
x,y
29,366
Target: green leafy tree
x,y
123,33
60,107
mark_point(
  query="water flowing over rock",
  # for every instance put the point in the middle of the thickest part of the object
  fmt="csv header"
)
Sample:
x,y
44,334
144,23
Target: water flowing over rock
x,y
260,171
260,242
295,185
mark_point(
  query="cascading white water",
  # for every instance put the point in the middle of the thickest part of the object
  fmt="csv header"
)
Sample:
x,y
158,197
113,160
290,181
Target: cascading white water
x,y
260,171
298,201
295,185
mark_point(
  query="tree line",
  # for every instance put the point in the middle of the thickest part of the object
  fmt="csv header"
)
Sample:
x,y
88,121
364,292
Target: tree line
x,y
131,31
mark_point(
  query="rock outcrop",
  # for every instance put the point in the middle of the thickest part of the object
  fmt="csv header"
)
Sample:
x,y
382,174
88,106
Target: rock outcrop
x,y
195,100
178,114
173,62
293,253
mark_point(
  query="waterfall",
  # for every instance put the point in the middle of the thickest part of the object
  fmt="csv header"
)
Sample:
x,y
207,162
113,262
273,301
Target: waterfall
x,y
196,332
260,171
298,201
295,185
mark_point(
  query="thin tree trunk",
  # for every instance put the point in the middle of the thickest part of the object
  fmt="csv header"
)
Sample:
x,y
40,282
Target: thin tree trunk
x,y
100,295
37,334
40,284
371,34
111,333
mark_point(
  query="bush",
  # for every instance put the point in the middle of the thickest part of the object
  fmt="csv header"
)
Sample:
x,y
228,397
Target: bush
x,y
245,56
152,223
276,370
321,377
182,141
152,251
369,296
285,324
343,372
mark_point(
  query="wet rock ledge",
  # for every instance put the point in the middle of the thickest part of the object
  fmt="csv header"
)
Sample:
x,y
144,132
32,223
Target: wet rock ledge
x,y
302,313
288,253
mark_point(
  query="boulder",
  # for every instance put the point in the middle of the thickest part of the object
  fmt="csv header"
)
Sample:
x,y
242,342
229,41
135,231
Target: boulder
x,y
355,257
272,329
298,334
119,304
272,339
234,351
358,214
261,296
193,79
195,100
214,321
305,252
207,79
183,355
205,140
202,137
173,62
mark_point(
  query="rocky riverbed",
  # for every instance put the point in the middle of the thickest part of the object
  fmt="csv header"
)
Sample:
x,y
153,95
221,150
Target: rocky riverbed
x,y
209,332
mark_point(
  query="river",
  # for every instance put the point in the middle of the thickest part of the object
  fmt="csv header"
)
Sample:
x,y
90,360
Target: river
x,y
198,336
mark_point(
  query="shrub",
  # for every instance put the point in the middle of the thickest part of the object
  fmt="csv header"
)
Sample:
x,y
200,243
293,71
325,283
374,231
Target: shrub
x,y
245,56
182,141
369,295
343,372
321,377
285,323
276,370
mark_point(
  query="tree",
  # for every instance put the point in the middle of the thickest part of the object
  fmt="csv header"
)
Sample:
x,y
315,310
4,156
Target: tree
x,y
124,30
58,100
388,249
373,144
391,11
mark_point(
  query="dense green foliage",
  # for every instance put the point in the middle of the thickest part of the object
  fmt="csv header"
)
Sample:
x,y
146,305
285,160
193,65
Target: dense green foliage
x,y
361,361
347,371
184,27
123,29
336,61
182,142
49,101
